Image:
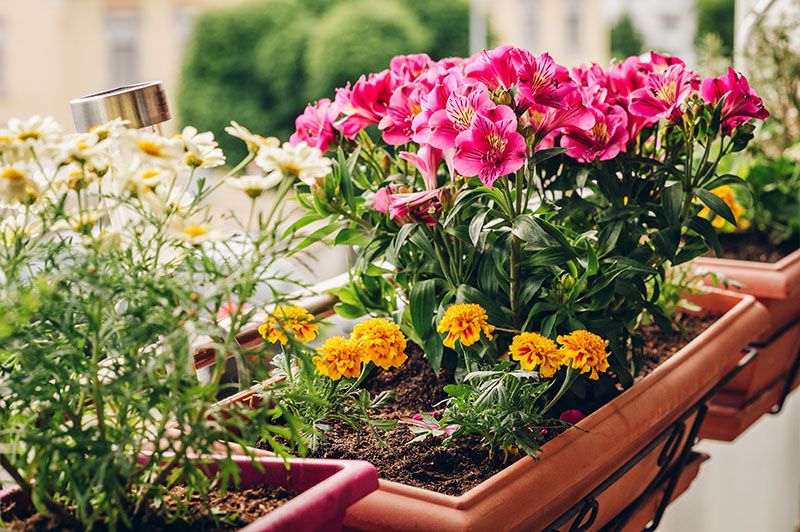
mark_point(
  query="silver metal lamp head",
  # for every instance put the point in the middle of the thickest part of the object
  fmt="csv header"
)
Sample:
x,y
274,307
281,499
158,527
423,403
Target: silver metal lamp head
x,y
143,105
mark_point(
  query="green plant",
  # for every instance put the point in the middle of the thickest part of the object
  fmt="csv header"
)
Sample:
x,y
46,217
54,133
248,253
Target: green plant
x,y
114,273
506,406
775,187
716,16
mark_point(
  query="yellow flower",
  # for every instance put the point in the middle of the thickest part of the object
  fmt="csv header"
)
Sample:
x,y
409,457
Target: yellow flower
x,y
533,349
291,319
381,342
585,351
464,322
338,358
726,194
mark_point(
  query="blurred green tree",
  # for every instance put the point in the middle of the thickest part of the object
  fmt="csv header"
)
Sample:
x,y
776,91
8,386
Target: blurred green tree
x,y
625,38
716,16
260,62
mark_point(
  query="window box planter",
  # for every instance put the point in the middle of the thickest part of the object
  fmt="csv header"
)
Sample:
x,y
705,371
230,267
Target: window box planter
x,y
577,461
327,488
649,507
777,287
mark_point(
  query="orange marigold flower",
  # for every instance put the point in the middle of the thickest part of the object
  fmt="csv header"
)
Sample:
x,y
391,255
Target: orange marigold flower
x,y
533,350
381,342
337,358
584,351
291,319
464,322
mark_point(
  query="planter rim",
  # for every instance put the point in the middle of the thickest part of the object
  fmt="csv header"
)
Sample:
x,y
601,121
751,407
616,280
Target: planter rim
x,y
778,280
352,479
474,496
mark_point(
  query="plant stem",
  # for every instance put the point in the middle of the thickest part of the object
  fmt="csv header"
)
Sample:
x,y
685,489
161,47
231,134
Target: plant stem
x,y
52,506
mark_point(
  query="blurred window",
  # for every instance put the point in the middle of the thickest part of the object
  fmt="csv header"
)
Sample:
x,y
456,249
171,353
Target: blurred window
x,y
184,21
123,47
529,18
573,25
670,21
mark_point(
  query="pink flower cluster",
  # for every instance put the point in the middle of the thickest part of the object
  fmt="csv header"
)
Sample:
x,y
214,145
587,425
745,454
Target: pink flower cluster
x,y
485,115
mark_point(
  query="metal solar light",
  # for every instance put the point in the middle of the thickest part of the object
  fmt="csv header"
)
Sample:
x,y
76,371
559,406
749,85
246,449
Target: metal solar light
x,y
143,105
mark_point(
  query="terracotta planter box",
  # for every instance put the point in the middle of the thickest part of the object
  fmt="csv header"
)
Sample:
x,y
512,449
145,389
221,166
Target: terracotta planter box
x,y
777,287
647,509
328,488
726,423
530,494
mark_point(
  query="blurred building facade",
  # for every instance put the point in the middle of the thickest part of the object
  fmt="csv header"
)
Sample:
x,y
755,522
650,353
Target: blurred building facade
x,y
52,51
573,31
665,25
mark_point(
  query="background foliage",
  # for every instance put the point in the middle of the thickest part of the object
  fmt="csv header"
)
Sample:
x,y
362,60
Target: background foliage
x,y
260,63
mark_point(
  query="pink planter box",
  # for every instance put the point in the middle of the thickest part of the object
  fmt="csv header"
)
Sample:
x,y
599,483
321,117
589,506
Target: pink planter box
x,y
328,488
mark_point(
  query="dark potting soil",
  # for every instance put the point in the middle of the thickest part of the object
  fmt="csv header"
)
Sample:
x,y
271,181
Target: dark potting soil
x,y
239,508
464,463
754,246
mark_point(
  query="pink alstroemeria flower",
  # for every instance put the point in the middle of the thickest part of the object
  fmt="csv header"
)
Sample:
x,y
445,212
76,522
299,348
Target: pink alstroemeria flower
x,y
489,149
435,100
661,62
315,125
415,206
546,119
741,103
404,105
426,160
625,78
461,108
495,68
407,68
541,80
605,140
664,93
364,104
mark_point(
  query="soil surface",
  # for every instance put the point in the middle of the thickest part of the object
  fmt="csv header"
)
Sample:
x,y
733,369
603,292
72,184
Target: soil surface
x,y
465,462
240,507
755,247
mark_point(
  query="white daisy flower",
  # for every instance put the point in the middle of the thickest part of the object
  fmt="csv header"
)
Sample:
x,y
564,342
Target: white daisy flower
x,y
255,185
85,149
110,129
178,202
202,151
17,185
36,129
18,225
156,150
254,142
197,232
301,161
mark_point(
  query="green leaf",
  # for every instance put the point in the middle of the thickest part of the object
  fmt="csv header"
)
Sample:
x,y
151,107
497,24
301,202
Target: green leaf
x,y
348,311
716,204
422,305
529,231
709,233
666,242
475,227
351,236
542,155
672,199
317,235
302,222
346,182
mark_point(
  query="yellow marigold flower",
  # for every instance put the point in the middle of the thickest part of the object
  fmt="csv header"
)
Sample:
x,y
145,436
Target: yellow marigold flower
x,y
533,349
584,351
291,319
726,194
381,342
464,322
338,358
